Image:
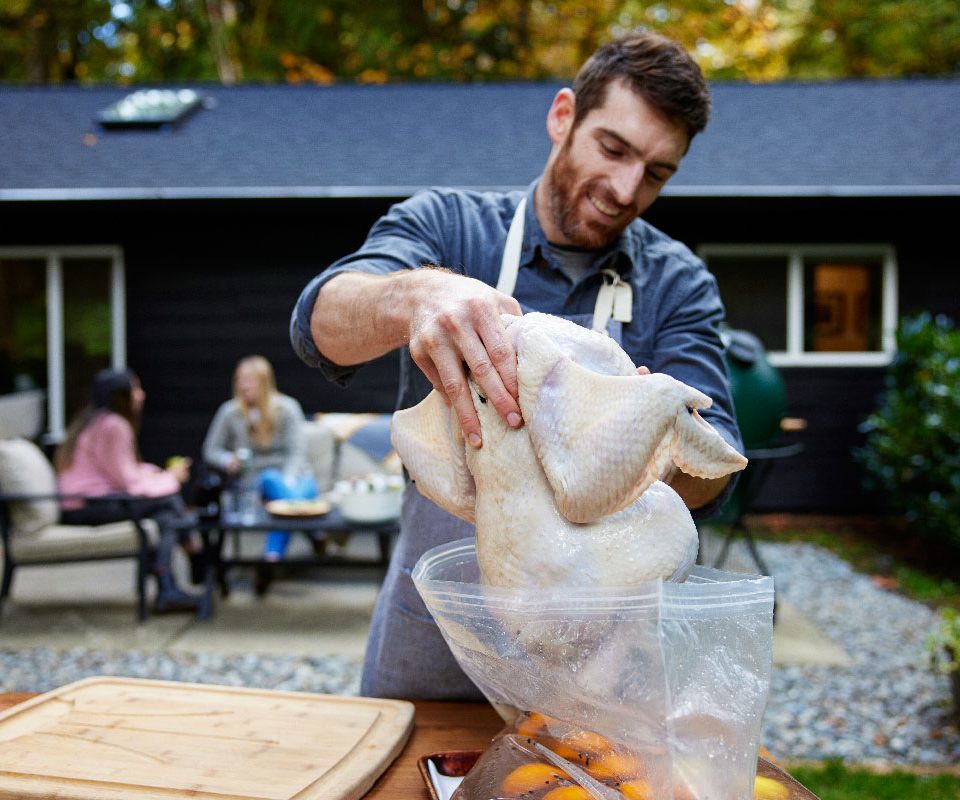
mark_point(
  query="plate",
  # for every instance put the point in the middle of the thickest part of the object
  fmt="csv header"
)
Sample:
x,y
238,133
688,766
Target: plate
x,y
443,772
297,508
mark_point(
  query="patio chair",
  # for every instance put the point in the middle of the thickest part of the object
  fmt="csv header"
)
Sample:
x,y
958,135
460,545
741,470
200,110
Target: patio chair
x,y
761,460
31,534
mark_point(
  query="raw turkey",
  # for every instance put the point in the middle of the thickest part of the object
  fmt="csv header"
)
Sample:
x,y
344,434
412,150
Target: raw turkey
x,y
572,498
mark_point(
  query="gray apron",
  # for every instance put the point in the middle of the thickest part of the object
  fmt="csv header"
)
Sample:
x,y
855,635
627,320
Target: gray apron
x,y
406,655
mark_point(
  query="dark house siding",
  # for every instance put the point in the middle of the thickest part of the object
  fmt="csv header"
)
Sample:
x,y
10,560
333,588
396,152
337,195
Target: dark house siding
x,y
211,281
208,283
230,296
824,477
833,400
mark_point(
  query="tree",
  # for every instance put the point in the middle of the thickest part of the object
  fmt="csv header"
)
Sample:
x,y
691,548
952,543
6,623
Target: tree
x,y
873,38
740,39
463,40
47,42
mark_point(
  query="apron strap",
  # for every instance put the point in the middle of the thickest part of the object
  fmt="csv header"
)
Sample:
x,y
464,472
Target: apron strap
x,y
614,299
510,263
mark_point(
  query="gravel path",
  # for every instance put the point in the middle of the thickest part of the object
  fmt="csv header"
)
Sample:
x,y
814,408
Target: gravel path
x,y
40,669
887,707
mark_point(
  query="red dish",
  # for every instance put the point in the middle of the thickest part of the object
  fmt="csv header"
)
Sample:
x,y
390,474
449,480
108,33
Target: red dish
x,y
450,764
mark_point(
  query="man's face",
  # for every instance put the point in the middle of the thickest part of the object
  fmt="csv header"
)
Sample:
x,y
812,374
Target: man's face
x,y
609,169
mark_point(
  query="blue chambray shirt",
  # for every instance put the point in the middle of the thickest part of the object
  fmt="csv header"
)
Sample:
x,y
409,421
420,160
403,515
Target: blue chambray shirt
x,y
676,306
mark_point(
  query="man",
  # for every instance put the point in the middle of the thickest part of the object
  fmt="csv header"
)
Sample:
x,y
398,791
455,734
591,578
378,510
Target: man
x,y
571,245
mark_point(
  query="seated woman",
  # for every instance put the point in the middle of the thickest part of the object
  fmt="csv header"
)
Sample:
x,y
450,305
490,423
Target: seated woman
x,y
100,458
258,430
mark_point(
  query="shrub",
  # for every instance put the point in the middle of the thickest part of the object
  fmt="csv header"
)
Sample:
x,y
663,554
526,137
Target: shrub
x,y
912,449
943,644
943,649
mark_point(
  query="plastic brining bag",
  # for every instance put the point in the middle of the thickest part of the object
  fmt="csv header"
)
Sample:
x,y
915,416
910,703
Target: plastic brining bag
x,y
654,691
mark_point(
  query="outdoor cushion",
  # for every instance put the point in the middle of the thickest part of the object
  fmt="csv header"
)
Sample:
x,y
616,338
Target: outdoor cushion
x,y
339,446
81,541
21,414
24,469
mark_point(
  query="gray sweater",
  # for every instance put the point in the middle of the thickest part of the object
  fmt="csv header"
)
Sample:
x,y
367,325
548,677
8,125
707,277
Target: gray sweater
x,y
229,432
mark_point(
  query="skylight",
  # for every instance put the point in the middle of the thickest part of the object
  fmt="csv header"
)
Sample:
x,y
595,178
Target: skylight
x,y
150,108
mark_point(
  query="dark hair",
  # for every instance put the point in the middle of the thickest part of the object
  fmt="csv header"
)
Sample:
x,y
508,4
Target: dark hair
x,y
656,68
112,390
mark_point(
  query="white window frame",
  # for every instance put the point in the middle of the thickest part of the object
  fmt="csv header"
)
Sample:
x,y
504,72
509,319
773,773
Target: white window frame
x,y
53,258
794,256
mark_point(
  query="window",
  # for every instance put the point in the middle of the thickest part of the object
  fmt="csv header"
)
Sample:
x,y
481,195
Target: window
x,y
61,319
811,305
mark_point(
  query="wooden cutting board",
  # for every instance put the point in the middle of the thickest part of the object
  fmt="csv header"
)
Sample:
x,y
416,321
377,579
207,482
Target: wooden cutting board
x,y
112,738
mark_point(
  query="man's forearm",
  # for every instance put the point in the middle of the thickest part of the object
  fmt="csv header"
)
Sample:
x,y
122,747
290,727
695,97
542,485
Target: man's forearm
x,y
358,316
697,492
452,324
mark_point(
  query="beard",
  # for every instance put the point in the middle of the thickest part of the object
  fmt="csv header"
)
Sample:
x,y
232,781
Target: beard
x,y
565,198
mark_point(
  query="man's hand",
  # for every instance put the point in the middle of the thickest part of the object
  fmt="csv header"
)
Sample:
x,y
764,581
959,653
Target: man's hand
x,y
457,324
450,322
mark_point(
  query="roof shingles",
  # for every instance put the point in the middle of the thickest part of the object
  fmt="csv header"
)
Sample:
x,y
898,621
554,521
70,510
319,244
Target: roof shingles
x,y
254,140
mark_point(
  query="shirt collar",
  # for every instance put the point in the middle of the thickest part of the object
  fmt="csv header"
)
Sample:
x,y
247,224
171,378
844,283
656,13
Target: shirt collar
x,y
617,256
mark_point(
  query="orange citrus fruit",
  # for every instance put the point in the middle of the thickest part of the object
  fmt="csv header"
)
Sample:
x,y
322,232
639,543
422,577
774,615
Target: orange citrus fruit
x,y
587,742
769,789
564,750
568,793
619,766
528,777
637,789
532,723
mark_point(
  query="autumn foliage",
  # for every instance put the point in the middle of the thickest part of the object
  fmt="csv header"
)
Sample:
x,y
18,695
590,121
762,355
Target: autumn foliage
x,y
301,41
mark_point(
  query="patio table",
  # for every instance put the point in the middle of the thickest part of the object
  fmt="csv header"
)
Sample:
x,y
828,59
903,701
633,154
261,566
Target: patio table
x,y
215,531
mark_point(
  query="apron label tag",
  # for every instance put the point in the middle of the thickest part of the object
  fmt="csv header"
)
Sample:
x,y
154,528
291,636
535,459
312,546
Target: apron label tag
x,y
623,302
614,299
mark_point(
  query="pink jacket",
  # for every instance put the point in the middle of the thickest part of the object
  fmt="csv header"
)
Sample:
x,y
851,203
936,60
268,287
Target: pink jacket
x,y
104,462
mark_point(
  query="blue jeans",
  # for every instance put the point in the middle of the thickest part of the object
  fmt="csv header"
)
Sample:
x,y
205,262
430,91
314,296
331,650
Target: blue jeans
x,y
273,486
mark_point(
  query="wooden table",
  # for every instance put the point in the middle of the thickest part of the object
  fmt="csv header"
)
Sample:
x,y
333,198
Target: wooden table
x,y
437,726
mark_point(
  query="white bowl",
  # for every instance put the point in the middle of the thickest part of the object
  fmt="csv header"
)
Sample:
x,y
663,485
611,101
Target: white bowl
x,y
370,506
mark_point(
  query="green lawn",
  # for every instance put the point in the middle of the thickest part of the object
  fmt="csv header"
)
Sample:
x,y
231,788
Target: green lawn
x,y
833,781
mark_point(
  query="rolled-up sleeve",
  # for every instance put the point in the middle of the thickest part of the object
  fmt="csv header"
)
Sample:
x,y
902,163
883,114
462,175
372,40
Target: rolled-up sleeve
x,y
300,336
688,347
404,238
